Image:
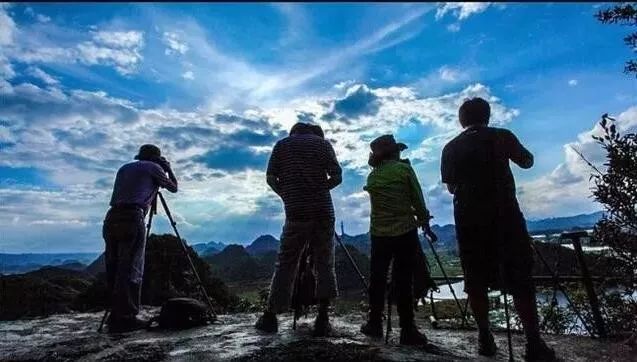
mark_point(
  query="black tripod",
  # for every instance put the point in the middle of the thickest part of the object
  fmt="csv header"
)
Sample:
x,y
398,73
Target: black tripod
x,y
202,289
431,238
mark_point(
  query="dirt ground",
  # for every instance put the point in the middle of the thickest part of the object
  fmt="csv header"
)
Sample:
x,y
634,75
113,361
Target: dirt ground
x,y
69,337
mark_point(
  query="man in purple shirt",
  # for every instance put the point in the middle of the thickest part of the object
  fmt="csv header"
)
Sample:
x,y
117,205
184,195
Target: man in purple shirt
x,y
136,186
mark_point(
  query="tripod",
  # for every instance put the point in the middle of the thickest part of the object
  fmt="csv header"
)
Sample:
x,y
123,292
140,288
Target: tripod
x,y
202,289
431,237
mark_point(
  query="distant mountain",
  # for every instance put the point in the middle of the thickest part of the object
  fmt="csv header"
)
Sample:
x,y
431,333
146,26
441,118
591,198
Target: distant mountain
x,y
263,244
72,265
22,263
361,242
97,266
234,263
583,221
206,249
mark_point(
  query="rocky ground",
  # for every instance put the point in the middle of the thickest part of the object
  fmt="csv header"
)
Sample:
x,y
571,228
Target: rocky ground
x,y
67,337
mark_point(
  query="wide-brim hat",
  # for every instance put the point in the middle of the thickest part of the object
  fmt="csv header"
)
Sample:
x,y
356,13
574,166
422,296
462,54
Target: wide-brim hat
x,y
386,144
148,151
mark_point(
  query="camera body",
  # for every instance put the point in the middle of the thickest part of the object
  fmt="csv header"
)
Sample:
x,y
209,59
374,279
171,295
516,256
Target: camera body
x,y
161,161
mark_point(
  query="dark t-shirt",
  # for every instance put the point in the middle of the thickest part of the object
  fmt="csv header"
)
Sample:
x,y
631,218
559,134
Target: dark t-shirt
x,y
301,165
137,183
476,162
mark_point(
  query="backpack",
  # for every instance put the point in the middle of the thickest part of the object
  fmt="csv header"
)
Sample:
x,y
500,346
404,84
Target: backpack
x,y
182,313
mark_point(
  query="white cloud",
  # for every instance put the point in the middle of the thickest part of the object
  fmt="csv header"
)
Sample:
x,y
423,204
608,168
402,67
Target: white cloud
x,y
42,75
7,27
568,185
42,18
461,10
6,69
453,27
120,39
344,84
45,42
449,74
122,49
188,75
572,82
174,44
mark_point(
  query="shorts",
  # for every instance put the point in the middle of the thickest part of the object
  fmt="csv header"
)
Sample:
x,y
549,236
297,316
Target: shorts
x,y
495,250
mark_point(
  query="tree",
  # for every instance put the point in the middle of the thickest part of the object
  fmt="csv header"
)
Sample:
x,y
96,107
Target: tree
x,y
623,14
616,189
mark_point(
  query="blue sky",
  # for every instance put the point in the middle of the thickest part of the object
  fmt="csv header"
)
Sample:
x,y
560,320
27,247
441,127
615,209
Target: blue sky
x,y
215,85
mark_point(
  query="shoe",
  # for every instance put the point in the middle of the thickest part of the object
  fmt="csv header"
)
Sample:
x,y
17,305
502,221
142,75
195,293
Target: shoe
x,y
410,336
540,352
322,326
372,329
486,344
126,325
267,323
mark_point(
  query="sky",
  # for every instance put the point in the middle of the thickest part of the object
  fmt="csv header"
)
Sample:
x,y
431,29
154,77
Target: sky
x,y
82,86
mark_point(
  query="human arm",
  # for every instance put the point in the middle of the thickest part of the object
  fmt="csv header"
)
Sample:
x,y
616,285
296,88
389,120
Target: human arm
x,y
516,152
272,172
417,199
446,170
333,168
159,172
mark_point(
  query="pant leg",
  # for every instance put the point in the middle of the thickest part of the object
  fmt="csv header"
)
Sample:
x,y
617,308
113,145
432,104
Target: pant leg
x,y
403,275
322,244
110,258
381,256
125,234
293,238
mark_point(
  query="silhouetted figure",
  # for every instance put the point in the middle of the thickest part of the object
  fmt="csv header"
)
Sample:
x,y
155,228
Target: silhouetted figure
x,y
136,186
302,170
494,243
398,210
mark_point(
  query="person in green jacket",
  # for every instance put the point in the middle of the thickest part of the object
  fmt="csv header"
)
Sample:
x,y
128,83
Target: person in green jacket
x,y
398,210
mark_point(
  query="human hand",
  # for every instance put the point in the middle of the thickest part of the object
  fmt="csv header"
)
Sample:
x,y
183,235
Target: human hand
x,y
164,164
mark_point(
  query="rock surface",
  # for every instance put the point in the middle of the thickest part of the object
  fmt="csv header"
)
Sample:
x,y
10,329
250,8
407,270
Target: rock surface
x,y
68,337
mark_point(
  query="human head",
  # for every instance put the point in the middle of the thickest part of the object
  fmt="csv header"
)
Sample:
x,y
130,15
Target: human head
x,y
384,148
473,112
300,128
317,130
148,152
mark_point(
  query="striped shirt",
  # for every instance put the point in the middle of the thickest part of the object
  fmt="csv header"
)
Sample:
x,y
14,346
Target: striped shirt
x,y
301,165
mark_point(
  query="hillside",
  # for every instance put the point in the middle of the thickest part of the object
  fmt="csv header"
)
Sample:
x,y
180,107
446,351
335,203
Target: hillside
x,y
57,290
263,244
43,292
206,249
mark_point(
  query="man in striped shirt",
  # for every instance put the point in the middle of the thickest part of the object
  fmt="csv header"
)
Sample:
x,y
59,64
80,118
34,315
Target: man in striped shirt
x,y
302,170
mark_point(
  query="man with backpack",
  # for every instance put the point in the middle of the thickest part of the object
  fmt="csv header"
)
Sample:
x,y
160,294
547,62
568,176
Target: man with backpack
x,y
302,170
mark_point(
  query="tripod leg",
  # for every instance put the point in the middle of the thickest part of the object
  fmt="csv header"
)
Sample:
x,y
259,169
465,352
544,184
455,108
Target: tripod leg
x,y
351,260
508,324
554,275
444,273
185,249
106,314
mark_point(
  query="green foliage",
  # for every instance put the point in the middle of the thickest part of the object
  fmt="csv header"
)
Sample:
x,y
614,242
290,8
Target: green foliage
x,y
623,14
616,190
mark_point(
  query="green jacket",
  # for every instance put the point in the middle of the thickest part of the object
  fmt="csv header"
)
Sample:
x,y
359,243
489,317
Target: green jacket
x,y
398,205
